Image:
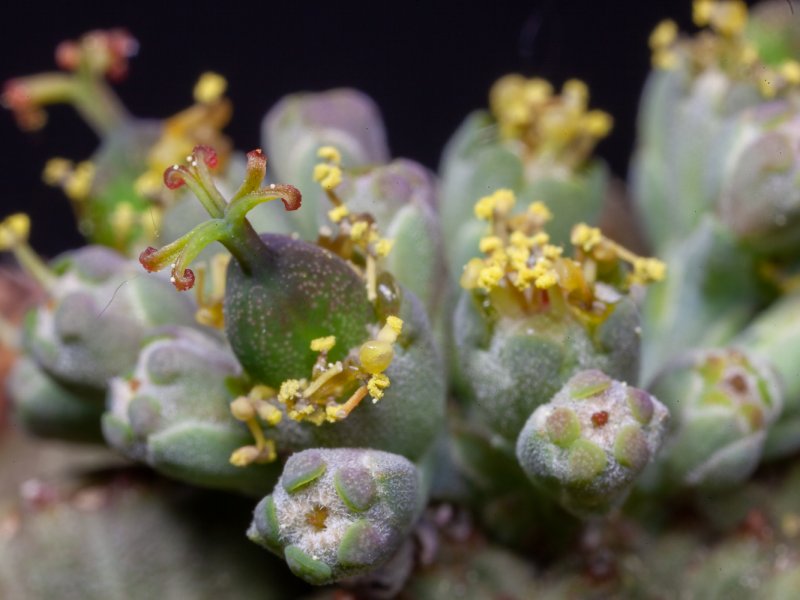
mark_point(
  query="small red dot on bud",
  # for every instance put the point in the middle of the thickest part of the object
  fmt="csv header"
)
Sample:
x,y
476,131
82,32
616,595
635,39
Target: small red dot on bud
x,y
600,418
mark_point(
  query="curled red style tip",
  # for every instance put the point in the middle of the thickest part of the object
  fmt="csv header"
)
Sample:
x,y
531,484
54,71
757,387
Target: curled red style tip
x,y
293,199
183,282
145,258
174,177
207,154
68,55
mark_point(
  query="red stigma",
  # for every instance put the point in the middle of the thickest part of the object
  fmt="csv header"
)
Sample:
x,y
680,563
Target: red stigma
x,y
145,258
207,154
173,177
293,199
600,418
184,282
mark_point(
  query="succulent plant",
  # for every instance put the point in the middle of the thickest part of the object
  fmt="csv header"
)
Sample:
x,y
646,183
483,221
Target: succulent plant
x,y
307,366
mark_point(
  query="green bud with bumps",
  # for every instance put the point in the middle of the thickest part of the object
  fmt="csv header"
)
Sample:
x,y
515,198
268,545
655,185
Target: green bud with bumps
x,y
173,413
587,446
298,125
723,403
337,513
99,310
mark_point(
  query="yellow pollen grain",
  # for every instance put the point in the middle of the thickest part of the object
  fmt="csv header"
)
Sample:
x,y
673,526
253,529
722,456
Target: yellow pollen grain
x,y
338,213
209,88
359,230
323,344
547,280
328,176
484,208
490,276
790,71
539,210
540,239
490,243
383,247
376,385
552,252
14,230
585,237
79,183
395,323
663,35
331,154
56,170
289,389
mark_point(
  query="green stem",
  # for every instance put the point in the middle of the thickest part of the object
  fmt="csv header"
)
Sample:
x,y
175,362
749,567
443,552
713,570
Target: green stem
x,y
34,266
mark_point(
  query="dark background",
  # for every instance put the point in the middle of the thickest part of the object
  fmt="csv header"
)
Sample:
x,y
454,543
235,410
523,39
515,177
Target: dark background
x,y
427,65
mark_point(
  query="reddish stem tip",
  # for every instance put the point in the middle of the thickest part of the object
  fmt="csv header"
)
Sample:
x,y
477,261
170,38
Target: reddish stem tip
x,y
293,199
207,154
174,177
146,259
184,282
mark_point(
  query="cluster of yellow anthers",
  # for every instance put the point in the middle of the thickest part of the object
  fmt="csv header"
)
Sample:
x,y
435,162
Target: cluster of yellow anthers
x,y
317,400
548,124
519,253
359,228
724,47
209,302
198,125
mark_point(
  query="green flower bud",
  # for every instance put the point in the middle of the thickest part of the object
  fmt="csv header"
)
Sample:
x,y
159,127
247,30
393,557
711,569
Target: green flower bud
x,y
774,337
48,410
587,446
295,128
100,309
173,413
336,513
723,402
513,365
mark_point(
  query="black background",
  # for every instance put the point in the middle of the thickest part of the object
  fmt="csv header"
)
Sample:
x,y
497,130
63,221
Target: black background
x,y
427,65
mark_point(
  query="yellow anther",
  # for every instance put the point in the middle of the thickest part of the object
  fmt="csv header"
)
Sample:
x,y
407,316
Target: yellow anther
x,y
490,276
472,271
484,208
663,35
504,200
727,17
14,230
395,324
359,231
269,413
242,409
539,210
536,91
520,240
518,257
665,59
323,344
375,356
338,213
646,270
540,239
585,237
289,389
552,252
328,176
376,385
546,280
331,154
209,88
246,455
78,185
525,277
576,93
597,123
790,71
490,243
56,171
383,247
